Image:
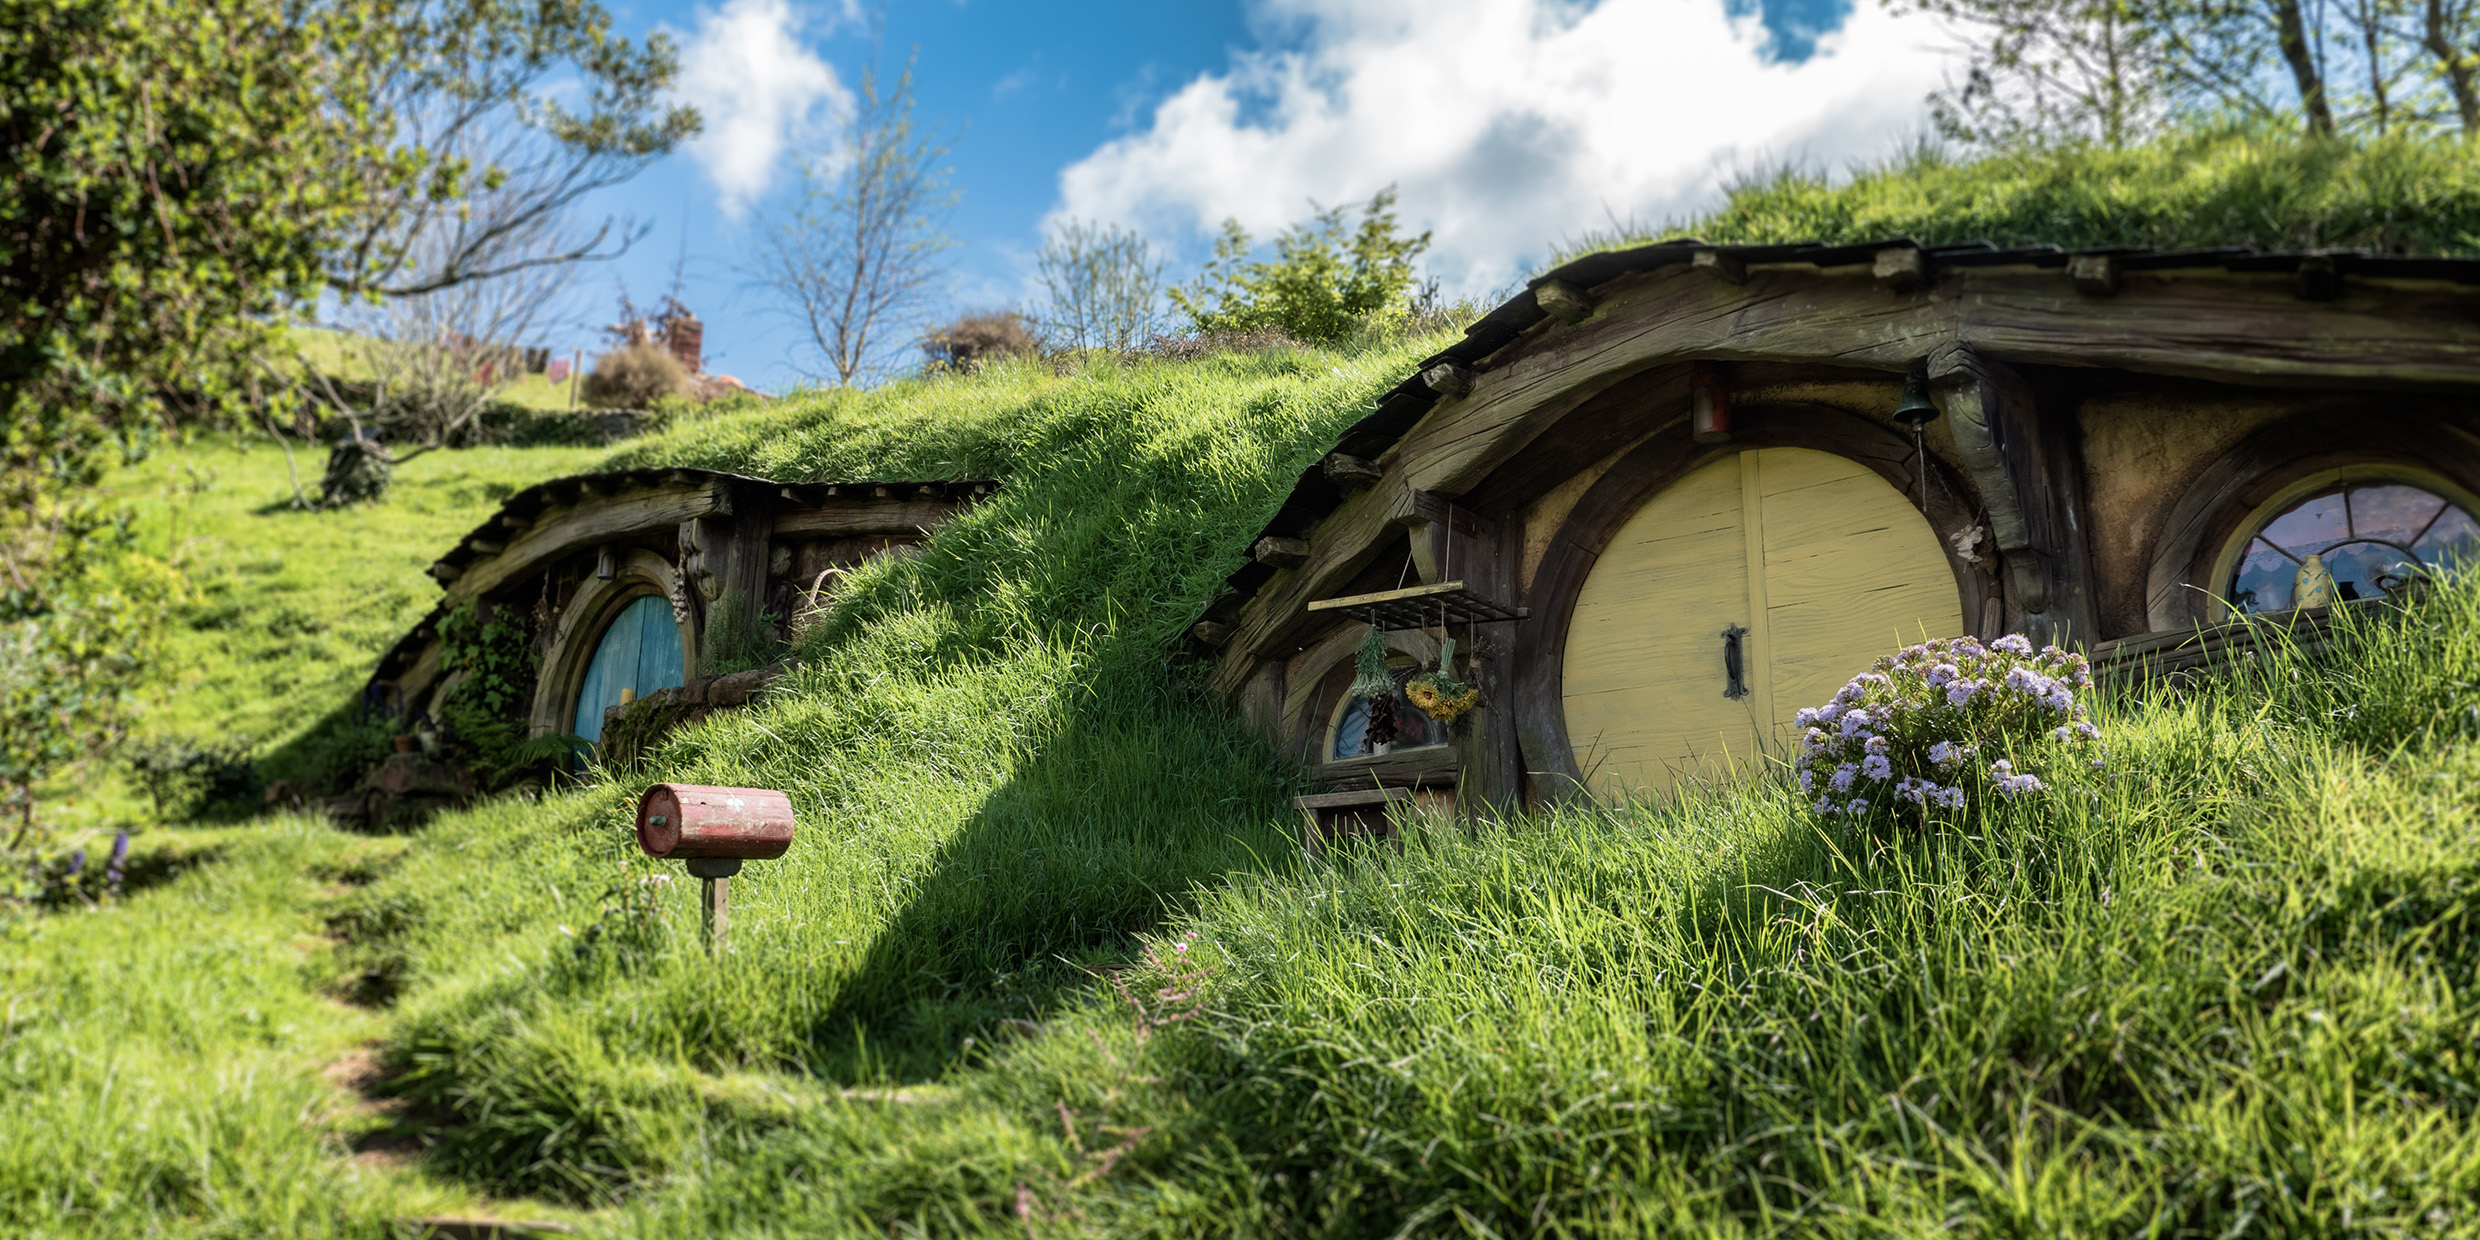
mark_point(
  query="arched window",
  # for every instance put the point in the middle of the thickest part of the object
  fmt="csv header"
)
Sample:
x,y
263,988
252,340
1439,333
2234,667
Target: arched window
x,y
2352,541
1347,736
639,652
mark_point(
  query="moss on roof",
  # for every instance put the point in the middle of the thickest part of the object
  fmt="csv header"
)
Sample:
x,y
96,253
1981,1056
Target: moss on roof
x,y
2194,190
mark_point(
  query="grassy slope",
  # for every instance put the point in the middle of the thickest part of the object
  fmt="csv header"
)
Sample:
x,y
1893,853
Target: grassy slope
x,y
290,609
2193,191
2228,989
161,1059
331,351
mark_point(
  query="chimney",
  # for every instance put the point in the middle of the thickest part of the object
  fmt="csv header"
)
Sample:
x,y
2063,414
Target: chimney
x,y
686,337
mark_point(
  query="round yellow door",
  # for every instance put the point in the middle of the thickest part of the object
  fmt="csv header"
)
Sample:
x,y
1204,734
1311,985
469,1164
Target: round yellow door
x,y
1752,587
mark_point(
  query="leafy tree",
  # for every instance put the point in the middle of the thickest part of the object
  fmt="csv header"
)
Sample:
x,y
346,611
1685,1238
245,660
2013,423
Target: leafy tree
x,y
1104,287
2116,71
1325,279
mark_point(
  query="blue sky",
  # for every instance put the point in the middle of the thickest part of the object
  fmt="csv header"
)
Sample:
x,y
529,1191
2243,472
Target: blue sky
x,y
1509,126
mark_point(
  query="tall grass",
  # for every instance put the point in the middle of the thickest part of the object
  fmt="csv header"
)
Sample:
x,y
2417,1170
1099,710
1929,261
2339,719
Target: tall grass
x,y
2188,190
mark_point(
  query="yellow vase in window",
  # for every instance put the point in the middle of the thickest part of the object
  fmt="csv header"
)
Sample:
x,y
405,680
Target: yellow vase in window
x,y
2314,587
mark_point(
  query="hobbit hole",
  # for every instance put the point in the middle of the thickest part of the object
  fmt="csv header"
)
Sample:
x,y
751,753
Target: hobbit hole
x,y
627,582
1686,490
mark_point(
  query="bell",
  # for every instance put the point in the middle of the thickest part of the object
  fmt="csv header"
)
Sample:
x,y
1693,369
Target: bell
x,y
1916,411
1916,408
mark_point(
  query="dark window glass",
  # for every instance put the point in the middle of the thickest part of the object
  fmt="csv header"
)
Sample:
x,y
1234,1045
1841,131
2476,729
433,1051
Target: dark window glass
x,y
1412,728
2349,543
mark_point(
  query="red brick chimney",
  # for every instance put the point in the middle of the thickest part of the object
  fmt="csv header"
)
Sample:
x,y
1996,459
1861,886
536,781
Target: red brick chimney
x,y
686,337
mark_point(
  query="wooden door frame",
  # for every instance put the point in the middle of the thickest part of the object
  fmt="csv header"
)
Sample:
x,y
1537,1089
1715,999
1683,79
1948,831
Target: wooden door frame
x,y
637,574
1662,459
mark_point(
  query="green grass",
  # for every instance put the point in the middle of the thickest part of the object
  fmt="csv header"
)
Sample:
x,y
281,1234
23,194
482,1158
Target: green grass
x,y
2227,988
333,353
288,610
2200,190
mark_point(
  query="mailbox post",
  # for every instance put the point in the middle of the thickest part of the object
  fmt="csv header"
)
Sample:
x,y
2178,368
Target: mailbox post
x,y
713,830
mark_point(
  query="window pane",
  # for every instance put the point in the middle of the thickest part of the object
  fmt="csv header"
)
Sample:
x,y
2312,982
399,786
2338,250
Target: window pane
x,y
2454,539
1350,730
2392,513
2312,526
2357,566
2264,580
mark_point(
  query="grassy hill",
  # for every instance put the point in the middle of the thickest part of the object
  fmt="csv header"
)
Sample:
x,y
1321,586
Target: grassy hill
x,y
1044,960
2205,190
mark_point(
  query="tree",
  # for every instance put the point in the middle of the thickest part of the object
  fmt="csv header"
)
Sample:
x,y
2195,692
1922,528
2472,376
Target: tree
x,y
857,255
2084,69
501,116
1324,280
2117,70
1103,284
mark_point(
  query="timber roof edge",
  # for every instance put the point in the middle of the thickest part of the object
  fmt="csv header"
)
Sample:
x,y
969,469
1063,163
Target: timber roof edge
x,y
1399,408
520,509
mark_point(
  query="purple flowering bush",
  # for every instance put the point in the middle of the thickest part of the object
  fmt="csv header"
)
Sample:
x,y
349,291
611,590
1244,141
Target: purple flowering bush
x,y
1947,726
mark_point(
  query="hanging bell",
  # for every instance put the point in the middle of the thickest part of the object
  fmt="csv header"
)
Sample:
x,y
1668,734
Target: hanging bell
x,y
1917,409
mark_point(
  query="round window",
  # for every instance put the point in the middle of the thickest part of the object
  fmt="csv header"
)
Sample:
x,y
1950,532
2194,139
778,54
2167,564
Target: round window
x,y
2359,540
1349,736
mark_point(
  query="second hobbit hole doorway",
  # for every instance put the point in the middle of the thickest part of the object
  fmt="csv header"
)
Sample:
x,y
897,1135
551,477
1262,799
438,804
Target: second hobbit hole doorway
x,y
639,652
1753,586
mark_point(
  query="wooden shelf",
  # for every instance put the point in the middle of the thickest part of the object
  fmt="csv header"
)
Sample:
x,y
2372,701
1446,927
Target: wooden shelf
x,y
1416,607
1428,766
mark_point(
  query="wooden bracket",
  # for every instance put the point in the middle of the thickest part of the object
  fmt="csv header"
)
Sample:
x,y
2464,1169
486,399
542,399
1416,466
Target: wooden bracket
x,y
1563,301
2095,275
1449,378
1278,552
1721,264
1351,472
1902,268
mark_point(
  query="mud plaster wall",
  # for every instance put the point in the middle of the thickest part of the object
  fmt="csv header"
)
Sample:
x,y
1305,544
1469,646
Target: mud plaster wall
x,y
2142,452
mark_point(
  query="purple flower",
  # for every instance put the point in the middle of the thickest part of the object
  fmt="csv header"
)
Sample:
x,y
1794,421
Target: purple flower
x,y
1805,717
1960,693
1825,805
2087,730
77,862
1944,674
1875,744
2012,643
1854,721
1843,775
1876,767
1858,806
120,854
1808,780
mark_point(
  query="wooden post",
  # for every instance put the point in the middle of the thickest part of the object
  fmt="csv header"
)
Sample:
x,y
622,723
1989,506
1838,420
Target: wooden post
x,y
715,875
576,362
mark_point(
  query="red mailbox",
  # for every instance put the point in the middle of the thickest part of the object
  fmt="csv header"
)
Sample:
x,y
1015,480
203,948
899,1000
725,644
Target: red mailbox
x,y
690,822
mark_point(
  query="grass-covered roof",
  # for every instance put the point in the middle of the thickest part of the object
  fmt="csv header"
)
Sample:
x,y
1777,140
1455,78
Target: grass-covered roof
x,y
2187,191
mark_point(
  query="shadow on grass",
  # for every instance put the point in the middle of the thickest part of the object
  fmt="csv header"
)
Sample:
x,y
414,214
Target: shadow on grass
x,y
1097,839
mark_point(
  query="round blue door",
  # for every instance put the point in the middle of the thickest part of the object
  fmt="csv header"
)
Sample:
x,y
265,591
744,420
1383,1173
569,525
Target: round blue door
x,y
640,653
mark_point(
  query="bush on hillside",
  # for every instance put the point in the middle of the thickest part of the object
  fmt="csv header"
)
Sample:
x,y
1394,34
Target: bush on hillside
x,y
1323,283
634,376
1946,727
976,340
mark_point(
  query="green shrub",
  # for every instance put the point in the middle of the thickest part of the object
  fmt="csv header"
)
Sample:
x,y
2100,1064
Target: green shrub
x,y
1322,284
634,376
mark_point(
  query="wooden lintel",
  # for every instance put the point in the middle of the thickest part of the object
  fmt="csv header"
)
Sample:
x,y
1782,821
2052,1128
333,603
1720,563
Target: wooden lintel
x,y
564,531
852,516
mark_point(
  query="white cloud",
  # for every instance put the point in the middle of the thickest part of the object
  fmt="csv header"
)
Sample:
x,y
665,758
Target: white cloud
x,y
1508,125
761,89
